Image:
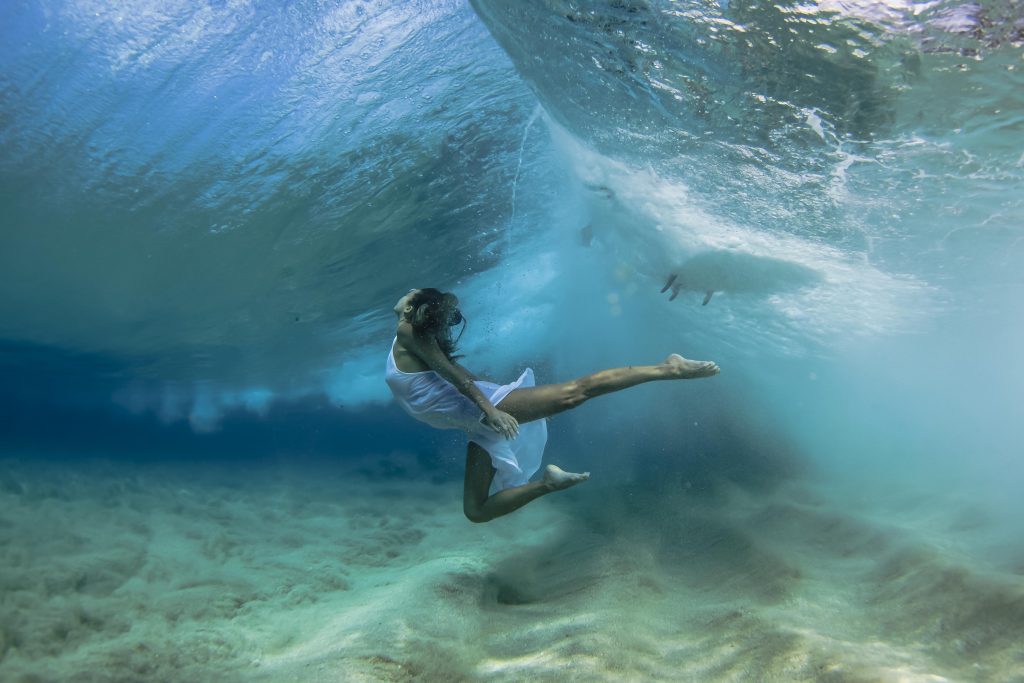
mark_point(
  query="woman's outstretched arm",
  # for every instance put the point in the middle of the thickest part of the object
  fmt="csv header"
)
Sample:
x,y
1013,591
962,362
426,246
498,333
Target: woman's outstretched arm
x,y
476,377
426,349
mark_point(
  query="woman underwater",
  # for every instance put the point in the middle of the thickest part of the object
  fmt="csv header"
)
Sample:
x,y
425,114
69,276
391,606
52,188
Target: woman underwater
x,y
505,423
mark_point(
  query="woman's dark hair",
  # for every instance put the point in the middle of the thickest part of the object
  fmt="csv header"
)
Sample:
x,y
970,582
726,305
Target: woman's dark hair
x,y
436,313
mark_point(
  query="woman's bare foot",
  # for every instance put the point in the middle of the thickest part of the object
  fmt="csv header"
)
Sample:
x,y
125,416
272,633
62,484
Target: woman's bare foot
x,y
682,368
557,479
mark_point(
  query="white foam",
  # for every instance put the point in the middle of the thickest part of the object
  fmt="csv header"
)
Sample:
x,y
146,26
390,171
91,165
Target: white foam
x,y
654,222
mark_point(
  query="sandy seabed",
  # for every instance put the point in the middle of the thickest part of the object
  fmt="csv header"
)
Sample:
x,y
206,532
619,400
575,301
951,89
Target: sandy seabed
x,y
196,573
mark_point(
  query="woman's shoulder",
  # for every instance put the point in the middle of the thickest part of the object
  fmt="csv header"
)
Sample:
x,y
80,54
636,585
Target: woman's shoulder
x,y
407,351
409,340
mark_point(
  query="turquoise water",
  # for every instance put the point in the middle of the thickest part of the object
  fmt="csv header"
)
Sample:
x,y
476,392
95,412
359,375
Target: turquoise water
x,y
207,211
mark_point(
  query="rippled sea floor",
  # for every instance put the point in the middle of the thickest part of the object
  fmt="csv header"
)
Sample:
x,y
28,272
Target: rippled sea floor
x,y
362,573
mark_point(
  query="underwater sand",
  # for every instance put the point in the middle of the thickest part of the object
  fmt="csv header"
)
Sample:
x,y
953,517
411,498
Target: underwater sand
x,y
343,573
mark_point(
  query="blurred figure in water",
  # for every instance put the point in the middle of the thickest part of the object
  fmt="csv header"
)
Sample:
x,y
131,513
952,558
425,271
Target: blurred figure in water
x,y
506,444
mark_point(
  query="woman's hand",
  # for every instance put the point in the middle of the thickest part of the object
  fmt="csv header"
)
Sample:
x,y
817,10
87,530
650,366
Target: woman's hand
x,y
501,422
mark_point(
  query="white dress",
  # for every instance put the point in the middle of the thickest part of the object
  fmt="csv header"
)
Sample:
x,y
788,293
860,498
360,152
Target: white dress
x,y
430,398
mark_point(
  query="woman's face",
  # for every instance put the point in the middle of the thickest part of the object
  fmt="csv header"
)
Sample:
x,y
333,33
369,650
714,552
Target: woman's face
x,y
404,302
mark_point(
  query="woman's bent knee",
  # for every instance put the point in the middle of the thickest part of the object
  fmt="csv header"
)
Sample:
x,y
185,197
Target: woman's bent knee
x,y
475,515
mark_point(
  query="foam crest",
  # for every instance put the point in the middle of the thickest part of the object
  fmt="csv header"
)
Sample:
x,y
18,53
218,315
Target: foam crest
x,y
803,285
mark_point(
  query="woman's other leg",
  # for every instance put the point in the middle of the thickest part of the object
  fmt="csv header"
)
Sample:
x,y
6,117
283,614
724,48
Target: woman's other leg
x,y
534,403
480,507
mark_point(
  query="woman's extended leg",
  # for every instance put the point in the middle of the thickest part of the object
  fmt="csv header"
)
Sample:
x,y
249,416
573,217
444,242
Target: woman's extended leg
x,y
479,507
533,403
